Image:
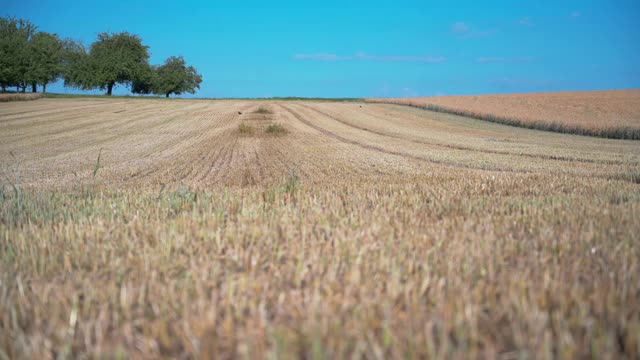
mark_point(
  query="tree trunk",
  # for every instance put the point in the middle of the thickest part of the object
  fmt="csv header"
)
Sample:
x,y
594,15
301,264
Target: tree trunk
x,y
109,89
44,88
167,94
34,87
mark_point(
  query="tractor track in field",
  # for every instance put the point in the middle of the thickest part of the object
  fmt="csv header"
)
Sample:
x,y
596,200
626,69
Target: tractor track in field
x,y
198,143
458,147
390,152
47,111
343,139
212,138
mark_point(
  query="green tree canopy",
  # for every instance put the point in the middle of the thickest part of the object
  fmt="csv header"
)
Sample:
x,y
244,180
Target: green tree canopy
x,y
75,63
15,35
175,77
146,82
113,59
35,58
46,53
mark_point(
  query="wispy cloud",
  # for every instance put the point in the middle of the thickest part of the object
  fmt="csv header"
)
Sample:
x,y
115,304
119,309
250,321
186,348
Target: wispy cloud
x,y
525,21
459,28
366,57
575,14
503,60
319,57
464,30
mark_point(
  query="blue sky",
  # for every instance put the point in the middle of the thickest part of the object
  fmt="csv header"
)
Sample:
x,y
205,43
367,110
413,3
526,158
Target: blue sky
x,y
368,48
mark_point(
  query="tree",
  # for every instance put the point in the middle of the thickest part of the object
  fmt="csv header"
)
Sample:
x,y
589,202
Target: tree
x,y
175,77
146,81
76,70
46,53
30,58
113,59
15,35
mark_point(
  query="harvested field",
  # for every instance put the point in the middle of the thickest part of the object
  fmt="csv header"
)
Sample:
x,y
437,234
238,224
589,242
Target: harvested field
x,y
609,114
361,230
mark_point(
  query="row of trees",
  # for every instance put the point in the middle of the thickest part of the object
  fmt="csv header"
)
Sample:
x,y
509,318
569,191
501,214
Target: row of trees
x,y
28,57
32,58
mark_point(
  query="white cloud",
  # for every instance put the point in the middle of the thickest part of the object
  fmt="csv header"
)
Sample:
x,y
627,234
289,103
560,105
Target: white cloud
x,y
427,59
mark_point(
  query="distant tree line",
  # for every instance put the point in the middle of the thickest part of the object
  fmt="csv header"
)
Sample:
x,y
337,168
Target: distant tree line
x,y
31,58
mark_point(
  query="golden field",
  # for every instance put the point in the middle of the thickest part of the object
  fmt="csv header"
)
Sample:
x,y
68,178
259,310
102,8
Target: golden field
x,y
300,229
609,114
